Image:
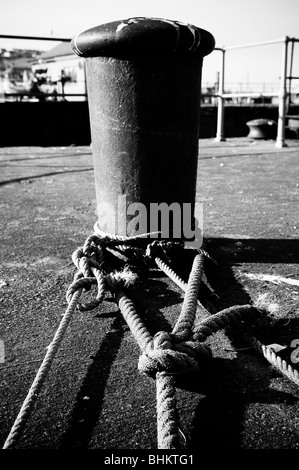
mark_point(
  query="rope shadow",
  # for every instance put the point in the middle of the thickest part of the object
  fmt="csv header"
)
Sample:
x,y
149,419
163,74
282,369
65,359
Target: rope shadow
x,y
230,388
86,412
230,385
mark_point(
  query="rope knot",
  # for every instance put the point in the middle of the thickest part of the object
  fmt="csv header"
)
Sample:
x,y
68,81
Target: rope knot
x,y
163,355
84,262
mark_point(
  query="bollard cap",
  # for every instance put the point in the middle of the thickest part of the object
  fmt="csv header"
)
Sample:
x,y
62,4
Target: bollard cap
x,y
135,37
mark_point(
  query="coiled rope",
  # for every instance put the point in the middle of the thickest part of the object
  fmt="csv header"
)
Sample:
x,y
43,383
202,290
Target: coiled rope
x,y
162,356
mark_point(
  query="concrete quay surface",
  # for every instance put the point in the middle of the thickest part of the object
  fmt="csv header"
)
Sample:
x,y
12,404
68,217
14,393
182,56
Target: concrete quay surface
x,y
94,397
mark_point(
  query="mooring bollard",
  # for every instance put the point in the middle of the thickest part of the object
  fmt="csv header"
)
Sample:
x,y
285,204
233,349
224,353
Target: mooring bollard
x,y
144,90
262,129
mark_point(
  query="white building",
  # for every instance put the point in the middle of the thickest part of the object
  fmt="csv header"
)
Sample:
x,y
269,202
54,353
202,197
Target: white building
x,y
64,72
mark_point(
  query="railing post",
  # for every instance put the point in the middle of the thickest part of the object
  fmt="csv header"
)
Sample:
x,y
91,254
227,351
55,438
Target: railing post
x,y
280,140
220,109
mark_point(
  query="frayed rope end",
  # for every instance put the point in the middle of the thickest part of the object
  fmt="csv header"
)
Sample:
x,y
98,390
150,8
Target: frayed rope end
x,y
125,277
263,302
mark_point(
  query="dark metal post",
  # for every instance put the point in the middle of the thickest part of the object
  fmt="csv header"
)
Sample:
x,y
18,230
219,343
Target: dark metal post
x,y
144,90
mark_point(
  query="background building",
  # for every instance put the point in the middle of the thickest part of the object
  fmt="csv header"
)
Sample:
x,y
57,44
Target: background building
x,y
60,71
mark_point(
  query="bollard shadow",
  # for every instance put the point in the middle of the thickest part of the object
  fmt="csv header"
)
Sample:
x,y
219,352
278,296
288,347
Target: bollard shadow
x,y
229,386
151,299
224,417
252,250
85,413
220,288
227,291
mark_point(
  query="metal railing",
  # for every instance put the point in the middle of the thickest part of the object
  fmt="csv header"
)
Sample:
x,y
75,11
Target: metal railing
x,y
220,95
282,94
35,38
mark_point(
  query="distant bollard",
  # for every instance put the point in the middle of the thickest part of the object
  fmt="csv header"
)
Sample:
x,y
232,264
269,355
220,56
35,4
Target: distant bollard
x,y
262,129
144,90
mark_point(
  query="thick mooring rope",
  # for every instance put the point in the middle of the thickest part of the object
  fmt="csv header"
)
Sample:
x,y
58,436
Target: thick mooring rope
x,y
166,354
168,431
133,320
163,355
163,266
186,319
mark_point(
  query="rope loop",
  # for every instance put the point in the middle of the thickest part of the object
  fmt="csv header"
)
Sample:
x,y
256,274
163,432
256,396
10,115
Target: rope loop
x,y
84,262
90,262
81,283
109,282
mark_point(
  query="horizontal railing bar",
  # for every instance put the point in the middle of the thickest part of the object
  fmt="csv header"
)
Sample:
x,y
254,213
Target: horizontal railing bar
x,y
34,38
46,95
253,44
224,48
246,95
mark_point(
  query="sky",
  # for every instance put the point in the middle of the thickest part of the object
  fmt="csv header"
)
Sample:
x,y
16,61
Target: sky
x,y
231,22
